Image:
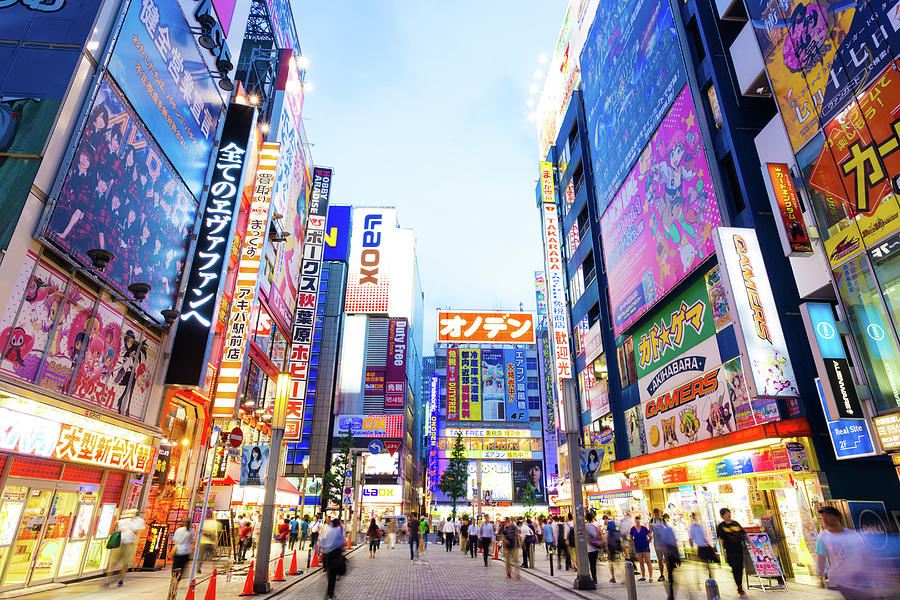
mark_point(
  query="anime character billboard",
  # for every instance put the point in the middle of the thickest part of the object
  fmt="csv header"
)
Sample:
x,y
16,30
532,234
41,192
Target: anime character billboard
x,y
659,226
121,195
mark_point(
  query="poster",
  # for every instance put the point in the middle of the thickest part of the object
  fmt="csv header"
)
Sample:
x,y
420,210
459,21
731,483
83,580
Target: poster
x,y
632,68
254,463
763,555
496,481
718,298
528,472
591,464
658,227
121,195
516,379
634,432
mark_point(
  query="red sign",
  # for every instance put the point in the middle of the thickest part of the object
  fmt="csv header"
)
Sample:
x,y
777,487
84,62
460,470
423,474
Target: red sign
x,y
477,327
236,437
789,207
392,446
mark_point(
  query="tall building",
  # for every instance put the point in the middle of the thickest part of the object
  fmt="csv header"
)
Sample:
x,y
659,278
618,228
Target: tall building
x,y
688,302
381,360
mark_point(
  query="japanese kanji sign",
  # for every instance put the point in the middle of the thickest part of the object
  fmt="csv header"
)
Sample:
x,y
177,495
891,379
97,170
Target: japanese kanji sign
x,y
559,309
452,384
191,347
372,243
434,401
793,232
477,327
470,384
548,187
307,295
245,286
395,371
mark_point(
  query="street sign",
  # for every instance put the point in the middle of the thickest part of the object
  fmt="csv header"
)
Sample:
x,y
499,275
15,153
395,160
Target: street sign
x,y
214,437
392,445
236,437
376,447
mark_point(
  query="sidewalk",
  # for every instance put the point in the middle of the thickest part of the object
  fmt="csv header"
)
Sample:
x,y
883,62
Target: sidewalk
x,y
140,585
689,580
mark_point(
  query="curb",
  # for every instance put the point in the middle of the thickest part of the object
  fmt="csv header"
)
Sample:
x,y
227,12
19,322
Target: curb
x,y
304,576
553,581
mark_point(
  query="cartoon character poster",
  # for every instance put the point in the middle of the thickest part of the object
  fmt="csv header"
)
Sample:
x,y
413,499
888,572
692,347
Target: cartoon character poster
x,y
658,227
812,51
718,298
634,431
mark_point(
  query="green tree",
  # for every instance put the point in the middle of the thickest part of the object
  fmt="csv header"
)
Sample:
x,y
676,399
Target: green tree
x,y
530,496
454,478
333,482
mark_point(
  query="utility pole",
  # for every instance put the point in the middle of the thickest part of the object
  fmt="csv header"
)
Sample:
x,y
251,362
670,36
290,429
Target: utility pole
x,y
583,579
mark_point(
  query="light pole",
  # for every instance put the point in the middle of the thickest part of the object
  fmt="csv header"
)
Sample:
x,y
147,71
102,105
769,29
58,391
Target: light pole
x,y
583,579
267,525
216,435
303,490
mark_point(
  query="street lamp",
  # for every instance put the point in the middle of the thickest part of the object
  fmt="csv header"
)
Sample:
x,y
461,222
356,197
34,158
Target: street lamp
x,y
303,488
267,522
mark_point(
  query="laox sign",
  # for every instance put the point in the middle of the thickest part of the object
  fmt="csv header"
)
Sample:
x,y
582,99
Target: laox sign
x,y
370,256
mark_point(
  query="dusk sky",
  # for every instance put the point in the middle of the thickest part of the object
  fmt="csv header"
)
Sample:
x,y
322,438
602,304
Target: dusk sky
x,y
422,106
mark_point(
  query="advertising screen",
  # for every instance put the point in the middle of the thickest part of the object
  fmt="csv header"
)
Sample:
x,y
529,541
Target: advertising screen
x,y
37,60
516,378
811,51
527,472
395,372
658,227
122,195
371,252
157,64
373,426
632,69
559,311
476,327
452,384
337,233
496,481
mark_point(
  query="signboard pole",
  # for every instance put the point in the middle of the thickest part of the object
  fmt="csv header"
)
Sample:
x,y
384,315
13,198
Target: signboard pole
x,y
216,433
583,579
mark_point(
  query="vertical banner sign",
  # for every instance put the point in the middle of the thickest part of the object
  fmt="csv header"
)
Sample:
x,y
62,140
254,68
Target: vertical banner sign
x,y
469,384
516,378
793,234
757,326
246,284
547,377
395,373
452,384
540,293
191,347
559,312
433,402
308,292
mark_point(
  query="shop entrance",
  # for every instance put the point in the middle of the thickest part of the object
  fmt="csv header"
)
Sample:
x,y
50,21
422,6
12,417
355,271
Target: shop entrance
x,y
43,531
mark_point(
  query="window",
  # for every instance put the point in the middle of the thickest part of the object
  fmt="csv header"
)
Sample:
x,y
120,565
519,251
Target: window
x,y
578,177
531,364
695,41
576,285
734,184
589,269
583,220
714,107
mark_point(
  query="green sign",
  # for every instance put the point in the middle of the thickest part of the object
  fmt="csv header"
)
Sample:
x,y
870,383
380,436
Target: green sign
x,y
675,328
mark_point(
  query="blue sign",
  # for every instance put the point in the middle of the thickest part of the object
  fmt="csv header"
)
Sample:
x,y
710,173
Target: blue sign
x,y
337,233
158,65
376,447
870,519
631,70
850,438
825,326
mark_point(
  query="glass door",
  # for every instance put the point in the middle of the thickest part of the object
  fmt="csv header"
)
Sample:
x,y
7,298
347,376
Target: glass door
x,y
56,532
30,532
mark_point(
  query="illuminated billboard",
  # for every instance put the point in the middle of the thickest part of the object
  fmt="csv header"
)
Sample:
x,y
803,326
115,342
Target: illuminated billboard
x,y
559,311
452,384
793,233
658,228
337,233
480,327
434,401
369,277
370,426
395,372
470,395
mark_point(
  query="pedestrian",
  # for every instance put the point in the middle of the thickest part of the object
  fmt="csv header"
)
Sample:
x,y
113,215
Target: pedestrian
x,y
257,525
570,541
547,530
304,531
510,539
841,558
440,531
246,540
613,545
314,529
733,537
464,535
473,539
295,531
332,550
404,529
560,537
423,528
697,538
530,540
284,533
654,521
641,536
668,545
182,540
449,531
594,544
373,535
414,531
485,537
128,527
392,533
624,526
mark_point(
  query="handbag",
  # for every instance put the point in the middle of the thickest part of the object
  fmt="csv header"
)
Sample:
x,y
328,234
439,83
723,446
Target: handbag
x,y
114,540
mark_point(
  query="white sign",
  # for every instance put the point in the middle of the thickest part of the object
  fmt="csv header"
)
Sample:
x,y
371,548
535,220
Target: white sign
x,y
559,311
496,479
382,494
369,279
451,432
757,326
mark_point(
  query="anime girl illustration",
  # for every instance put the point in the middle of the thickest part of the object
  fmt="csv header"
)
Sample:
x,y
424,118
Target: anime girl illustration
x,y
690,424
16,345
670,437
806,42
719,420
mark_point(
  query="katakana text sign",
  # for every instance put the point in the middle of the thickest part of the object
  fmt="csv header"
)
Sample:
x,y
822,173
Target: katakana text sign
x,y
476,327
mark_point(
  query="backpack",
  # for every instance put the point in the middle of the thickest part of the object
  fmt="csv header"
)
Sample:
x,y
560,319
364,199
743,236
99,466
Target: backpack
x,y
509,536
114,540
570,539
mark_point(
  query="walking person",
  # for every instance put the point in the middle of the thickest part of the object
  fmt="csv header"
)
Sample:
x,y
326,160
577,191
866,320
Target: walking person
x,y
697,538
733,538
547,531
641,536
314,530
373,535
560,537
594,544
464,535
182,540
257,525
440,531
245,541
128,527
304,531
449,531
331,547
510,539
295,531
668,545
526,533
414,532
613,546
654,521
392,533
423,528
473,539
284,533
485,537
571,556
841,557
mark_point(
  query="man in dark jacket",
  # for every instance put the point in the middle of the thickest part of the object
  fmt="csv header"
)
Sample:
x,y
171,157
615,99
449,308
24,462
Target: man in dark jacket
x,y
733,537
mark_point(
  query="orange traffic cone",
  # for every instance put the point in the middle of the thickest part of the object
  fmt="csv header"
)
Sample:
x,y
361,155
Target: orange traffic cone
x,y
211,588
248,583
279,570
294,570
348,542
190,594
496,551
315,562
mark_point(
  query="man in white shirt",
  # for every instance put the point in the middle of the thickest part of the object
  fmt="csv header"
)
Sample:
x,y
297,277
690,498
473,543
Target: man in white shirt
x,y
841,555
129,527
314,530
449,534
485,538
181,550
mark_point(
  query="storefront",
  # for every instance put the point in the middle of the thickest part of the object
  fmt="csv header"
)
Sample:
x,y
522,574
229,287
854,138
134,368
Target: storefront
x,y
769,483
56,512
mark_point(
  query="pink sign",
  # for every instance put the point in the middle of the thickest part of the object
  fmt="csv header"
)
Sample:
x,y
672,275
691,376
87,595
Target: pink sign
x,y
395,373
658,228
